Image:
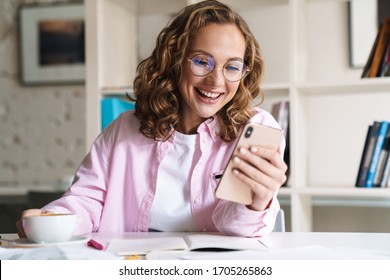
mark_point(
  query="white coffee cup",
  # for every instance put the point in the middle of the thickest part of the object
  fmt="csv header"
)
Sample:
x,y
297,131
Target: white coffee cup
x,y
50,228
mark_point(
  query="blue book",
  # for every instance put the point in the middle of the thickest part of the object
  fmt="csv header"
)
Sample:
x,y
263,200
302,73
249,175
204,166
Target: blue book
x,y
112,107
384,127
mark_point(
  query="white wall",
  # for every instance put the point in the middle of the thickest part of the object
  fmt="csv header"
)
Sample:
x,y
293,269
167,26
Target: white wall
x,y
41,128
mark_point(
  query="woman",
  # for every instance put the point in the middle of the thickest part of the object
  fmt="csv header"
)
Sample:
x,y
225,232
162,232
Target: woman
x,y
154,169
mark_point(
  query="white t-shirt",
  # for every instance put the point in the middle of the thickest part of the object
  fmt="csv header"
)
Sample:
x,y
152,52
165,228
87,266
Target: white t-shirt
x,y
171,209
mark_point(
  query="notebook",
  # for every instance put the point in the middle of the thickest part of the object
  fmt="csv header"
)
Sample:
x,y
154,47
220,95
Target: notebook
x,y
193,242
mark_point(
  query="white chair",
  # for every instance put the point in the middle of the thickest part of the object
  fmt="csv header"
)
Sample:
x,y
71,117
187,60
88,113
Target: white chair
x,y
280,222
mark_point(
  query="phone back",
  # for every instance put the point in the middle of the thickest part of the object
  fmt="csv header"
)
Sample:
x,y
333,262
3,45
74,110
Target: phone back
x,y
230,187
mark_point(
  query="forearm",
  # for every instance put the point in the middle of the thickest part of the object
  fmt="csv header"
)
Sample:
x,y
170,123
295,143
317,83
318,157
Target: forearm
x,y
238,220
87,210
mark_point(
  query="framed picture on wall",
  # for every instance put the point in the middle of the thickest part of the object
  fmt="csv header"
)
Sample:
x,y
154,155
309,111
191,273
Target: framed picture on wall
x,y
51,39
363,27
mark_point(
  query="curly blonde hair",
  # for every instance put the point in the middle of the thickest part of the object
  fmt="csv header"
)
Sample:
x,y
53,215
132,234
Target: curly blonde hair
x,y
158,101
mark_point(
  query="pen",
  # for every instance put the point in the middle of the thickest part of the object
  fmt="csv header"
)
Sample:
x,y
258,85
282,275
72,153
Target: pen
x,y
95,244
133,257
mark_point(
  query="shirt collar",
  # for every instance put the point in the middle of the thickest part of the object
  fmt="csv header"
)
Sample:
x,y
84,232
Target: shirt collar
x,y
211,127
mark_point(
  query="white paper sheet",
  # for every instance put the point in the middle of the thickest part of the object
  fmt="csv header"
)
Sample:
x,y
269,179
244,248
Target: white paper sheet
x,y
56,253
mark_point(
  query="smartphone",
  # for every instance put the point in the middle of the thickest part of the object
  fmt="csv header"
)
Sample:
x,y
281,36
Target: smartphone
x,y
229,187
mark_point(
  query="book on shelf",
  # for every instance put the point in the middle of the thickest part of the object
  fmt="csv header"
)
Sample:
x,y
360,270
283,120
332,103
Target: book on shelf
x,y
381,176
366,68
191,242
384,127
363,167
111,108
385,180
281,112
380,48
368,149
384,70
375,155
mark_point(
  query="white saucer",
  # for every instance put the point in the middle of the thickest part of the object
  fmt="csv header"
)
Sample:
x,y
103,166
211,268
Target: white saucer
x,y
25,243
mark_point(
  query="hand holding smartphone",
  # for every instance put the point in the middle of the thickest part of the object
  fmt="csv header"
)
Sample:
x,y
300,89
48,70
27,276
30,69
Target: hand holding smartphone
x,y
230,187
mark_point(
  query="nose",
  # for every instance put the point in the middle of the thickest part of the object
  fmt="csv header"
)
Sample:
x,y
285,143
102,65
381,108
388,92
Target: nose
x,y
216,76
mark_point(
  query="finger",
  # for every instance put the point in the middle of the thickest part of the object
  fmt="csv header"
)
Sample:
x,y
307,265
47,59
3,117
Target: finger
x,y
266,170
248,180
26,213
263,186
19,226
32,212
263,194
272,155
253,169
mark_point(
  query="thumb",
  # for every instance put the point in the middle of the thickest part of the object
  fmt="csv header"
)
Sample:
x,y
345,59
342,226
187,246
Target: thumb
x,y
27,213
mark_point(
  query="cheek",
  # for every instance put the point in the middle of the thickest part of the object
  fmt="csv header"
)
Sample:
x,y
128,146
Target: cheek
x,y
187,83
232,89
187,76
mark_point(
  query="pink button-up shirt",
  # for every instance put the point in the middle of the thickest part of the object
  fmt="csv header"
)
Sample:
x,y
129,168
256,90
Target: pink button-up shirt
x,y
115,184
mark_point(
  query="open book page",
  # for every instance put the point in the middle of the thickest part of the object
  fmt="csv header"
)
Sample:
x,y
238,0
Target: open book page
x,y
141,246
132,246
207,255
203,241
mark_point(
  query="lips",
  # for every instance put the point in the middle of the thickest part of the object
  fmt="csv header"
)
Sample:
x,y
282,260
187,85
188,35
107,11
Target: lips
x,y
211,95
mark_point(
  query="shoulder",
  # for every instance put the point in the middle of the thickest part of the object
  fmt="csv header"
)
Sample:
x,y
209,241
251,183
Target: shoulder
x,y
262,116
125,126
128,118
126,121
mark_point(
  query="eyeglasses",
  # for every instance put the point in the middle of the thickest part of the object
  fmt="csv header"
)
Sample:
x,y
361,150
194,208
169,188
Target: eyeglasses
x,y
233,70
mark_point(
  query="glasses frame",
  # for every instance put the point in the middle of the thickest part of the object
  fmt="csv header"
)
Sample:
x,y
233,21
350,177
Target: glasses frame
x,y
245,72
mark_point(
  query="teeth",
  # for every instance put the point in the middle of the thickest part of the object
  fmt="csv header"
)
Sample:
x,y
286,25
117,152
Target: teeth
x,y
209,94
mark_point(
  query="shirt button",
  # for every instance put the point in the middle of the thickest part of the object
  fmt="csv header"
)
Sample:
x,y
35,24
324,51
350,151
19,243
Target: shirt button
x,y
196,201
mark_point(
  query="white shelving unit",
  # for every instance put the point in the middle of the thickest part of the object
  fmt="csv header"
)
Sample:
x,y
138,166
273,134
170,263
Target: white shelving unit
x,y
305,46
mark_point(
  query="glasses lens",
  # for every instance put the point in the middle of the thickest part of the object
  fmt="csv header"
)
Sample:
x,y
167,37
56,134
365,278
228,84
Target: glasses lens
x,y
234,70
202,65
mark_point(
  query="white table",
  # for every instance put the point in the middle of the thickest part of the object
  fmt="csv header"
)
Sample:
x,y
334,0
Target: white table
x,y
369,241
284,245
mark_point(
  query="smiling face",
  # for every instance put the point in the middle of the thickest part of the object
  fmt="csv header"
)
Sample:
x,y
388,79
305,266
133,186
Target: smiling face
x,y
203,97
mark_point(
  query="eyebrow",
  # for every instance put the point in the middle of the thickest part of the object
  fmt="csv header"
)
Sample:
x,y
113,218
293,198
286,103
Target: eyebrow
x,y
194,52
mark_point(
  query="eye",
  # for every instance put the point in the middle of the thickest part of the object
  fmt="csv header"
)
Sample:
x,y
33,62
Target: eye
x,y
201,61
234,66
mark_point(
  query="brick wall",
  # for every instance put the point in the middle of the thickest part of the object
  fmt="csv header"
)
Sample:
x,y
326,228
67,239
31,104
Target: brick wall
x,y
41,128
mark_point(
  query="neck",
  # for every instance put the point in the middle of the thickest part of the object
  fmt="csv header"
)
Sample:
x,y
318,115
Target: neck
x,y
187,129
